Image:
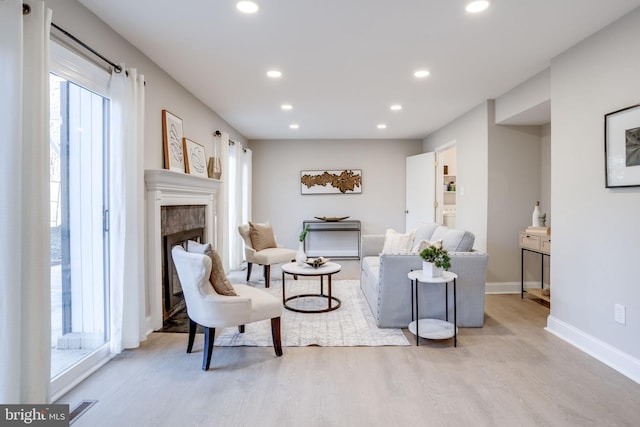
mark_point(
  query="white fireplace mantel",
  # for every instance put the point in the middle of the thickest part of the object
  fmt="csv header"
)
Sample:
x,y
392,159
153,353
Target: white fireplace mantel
x,y
168,188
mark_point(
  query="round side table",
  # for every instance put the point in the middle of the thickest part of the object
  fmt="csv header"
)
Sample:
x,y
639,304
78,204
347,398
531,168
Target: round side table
x,y
435,329
327,269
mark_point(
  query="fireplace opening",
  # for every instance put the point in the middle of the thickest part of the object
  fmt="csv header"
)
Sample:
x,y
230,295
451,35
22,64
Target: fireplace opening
x,y
172,298
178,225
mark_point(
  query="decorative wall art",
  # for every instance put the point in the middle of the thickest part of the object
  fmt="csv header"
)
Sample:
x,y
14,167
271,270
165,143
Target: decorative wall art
x,y
331,181
172,137
194,158
622,147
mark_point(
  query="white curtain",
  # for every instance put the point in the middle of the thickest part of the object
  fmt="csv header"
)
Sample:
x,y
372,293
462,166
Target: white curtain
x,y
25,288
239,206
126,210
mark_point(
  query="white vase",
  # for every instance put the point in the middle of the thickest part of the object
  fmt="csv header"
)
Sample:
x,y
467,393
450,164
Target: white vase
x,y
301,257
535,216
429,269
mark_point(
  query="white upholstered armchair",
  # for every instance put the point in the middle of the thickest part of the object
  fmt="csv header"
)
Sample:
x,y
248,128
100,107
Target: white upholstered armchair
x,y
211,310
260,247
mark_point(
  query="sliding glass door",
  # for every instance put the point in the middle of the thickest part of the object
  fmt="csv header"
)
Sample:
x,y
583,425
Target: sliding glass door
x,y
79,119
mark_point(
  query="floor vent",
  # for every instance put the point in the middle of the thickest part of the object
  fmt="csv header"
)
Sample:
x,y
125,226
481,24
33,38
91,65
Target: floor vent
x,y
80,409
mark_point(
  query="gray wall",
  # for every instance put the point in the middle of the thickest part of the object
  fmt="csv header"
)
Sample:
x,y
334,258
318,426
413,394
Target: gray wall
x,y
596,231
514,188
470,132
276,183
161,91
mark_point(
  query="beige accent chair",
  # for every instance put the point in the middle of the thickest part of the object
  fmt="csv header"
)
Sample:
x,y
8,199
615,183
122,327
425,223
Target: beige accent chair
x,y
211,310
265,257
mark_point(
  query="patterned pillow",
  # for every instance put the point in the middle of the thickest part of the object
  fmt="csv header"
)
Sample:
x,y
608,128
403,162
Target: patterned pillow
x,y
397,243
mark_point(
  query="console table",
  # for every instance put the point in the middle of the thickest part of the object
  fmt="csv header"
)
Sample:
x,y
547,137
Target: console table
x,y
333,239
540,244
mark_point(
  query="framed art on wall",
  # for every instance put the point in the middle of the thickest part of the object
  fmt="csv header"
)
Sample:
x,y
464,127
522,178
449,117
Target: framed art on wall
x,y
172,138
194,158
347,181
622,147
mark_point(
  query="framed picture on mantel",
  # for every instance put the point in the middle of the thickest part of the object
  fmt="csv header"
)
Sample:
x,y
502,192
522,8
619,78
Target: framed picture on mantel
x,y
194,159
622,147
172,138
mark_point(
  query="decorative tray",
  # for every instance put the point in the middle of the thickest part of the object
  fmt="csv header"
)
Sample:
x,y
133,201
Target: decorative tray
x,y
331,218
317,262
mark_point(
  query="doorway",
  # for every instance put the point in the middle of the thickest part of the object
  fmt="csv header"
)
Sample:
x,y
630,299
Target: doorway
x,y
446,184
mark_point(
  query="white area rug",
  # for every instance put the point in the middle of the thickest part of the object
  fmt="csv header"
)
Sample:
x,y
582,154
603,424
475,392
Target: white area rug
x,y
350,325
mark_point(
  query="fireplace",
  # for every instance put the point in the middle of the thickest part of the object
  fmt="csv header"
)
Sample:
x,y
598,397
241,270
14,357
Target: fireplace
x,y
186,204
179,224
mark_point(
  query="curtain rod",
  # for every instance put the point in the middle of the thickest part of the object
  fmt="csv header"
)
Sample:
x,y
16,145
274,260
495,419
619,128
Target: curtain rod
x,y
26,9
116,68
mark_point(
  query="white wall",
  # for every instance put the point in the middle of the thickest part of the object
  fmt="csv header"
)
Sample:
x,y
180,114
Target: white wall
x,y
276,183
596,231
470,132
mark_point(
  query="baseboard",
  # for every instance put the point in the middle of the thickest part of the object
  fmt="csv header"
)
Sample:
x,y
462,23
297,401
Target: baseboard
x,y
627,365
508,287
502,288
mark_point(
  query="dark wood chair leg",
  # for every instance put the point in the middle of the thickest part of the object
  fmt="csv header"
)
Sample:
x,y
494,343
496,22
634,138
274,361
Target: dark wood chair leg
x,y
241,329
267,275
275,333
209,337
249,265
192,334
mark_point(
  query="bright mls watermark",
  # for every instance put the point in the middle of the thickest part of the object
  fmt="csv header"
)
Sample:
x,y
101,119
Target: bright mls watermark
x,y
34,415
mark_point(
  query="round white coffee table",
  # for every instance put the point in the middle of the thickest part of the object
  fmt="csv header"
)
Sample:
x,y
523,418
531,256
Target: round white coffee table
x,y
328,269
435,329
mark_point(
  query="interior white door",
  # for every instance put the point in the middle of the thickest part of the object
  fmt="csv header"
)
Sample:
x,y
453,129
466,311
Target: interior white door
x,y
420,190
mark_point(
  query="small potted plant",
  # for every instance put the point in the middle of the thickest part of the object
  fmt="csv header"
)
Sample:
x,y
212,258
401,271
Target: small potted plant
x,y
301,257
435,260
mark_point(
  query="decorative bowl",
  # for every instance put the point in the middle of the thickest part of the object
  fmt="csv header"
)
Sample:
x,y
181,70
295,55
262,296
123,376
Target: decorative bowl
x,y
331,218
317,262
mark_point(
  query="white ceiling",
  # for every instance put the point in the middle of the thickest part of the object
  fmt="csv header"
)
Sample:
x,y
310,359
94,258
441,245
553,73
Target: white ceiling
x,y
344,62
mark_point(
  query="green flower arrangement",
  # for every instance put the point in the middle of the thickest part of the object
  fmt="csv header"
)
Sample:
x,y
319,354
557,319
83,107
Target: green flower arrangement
x,y
303,233
437,255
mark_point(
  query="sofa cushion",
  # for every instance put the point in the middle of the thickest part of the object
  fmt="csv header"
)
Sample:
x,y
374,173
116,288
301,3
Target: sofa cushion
x,y
371,267
425,231
397,243
458,240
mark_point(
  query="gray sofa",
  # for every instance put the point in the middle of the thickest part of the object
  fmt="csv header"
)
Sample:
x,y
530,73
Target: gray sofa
x,y
387,288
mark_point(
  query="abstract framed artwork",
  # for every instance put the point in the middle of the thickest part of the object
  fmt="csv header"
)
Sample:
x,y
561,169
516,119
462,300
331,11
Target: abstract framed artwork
x,y
172,138
195,161
348,181
622,147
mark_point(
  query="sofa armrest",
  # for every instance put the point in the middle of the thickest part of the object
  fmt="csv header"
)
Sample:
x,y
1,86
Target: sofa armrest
x,y
371,244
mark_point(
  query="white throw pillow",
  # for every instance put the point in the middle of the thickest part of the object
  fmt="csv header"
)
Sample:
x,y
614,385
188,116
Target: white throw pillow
x,y
397,243
424,244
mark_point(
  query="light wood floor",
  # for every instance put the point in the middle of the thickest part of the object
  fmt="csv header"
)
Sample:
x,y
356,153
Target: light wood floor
x,y
509,373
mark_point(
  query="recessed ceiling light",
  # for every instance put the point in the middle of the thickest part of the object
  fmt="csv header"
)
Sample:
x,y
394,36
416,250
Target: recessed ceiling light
x,y
293,126
247,6
396,107
421,73
274,74
286,107
382,126
477,6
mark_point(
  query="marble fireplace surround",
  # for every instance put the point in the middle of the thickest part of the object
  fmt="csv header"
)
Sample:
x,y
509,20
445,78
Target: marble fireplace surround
x,y
168,188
